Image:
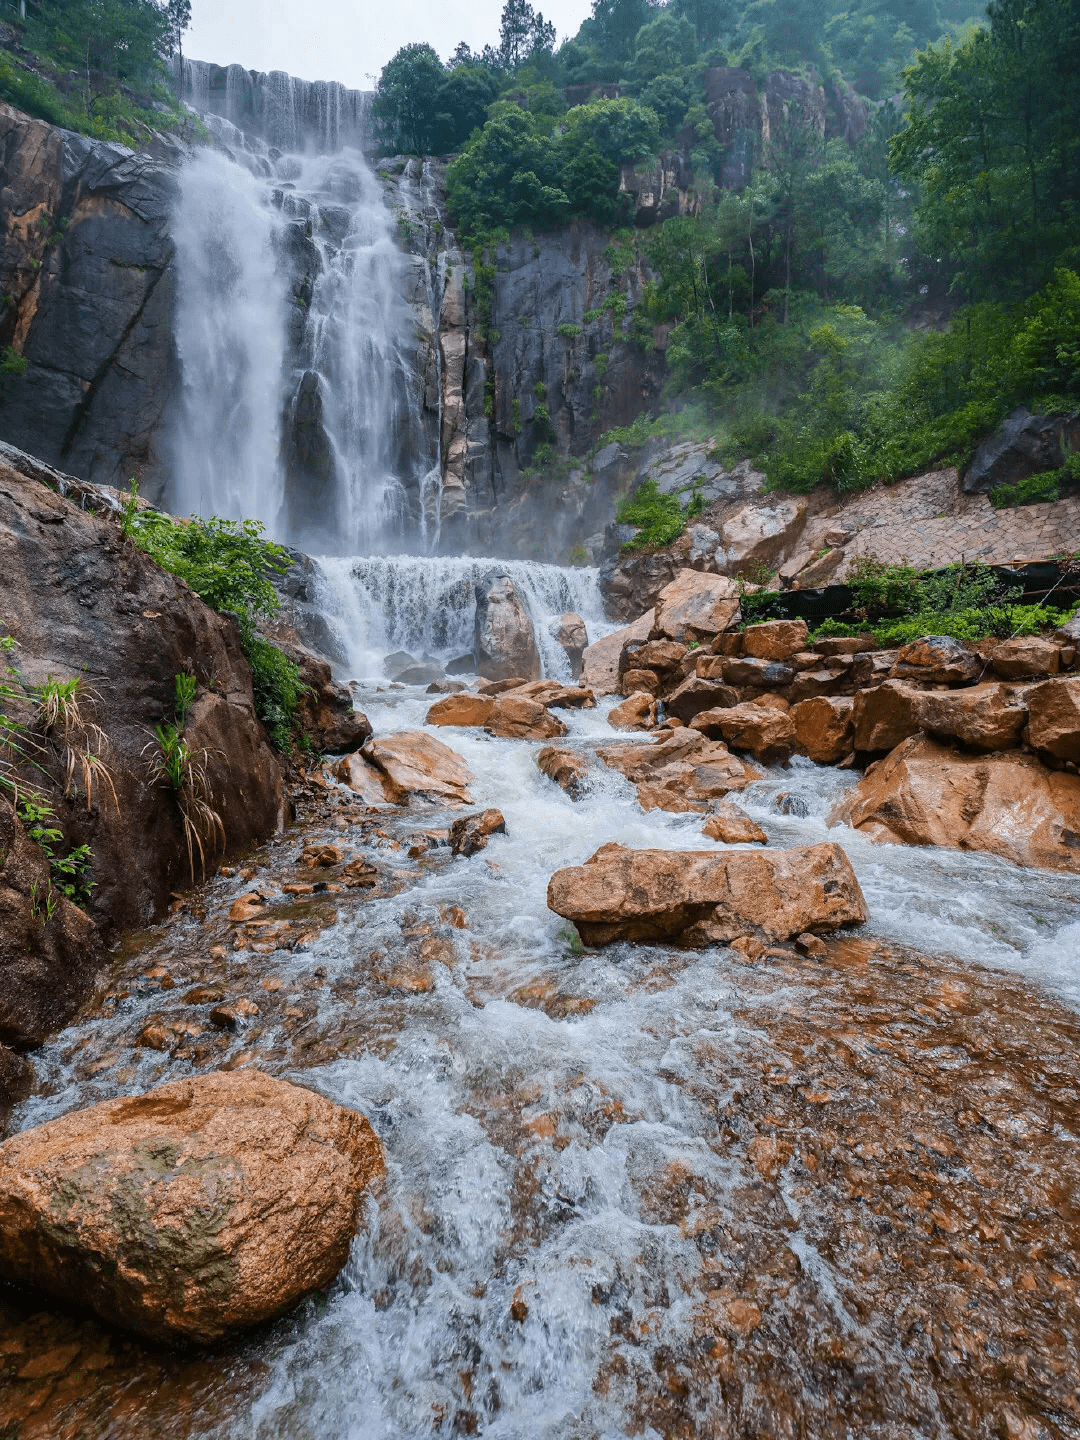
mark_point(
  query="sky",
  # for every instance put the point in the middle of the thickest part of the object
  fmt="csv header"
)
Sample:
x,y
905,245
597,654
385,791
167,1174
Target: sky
x,y
347,40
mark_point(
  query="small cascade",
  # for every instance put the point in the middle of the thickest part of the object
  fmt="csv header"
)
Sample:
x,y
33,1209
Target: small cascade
x,y
426,605
286,113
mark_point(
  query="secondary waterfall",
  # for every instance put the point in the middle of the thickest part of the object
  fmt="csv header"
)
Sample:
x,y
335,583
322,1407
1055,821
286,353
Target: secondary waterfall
x,y
302,397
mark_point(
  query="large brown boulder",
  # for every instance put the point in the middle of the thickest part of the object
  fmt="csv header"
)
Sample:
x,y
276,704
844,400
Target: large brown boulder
x,y
50,950
1007,804
1026,656
938,659
600,660
1054,707
885,715
201,1208
571,634
637,712
464,708
823,728
567,768
761,674
503,639
684,772
555,695
768,734
515,717
989,716
775,639
730,824
325,713
698,898
695,606
85,603
412,765
696,694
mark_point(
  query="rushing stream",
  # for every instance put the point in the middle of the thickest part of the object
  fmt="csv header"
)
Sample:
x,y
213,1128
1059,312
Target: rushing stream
x,y
638,1192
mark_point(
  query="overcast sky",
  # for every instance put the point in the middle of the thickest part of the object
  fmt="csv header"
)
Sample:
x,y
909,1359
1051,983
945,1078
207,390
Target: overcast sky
x,y
347,40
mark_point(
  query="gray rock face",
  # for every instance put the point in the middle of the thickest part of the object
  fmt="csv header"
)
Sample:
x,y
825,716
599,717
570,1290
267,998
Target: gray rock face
x,y
503,635
84,256
1025,445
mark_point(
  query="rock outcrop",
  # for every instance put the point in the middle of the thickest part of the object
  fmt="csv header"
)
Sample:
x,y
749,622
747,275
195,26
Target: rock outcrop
x,y
84,604
510,716
567,768
1025,445
504,644
409,765
1007,804
571,634
696,898
600,660
684,772
199,1209
1054,708
472,832
695,606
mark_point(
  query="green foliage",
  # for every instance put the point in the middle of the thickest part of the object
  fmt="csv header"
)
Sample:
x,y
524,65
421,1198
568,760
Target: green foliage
x,y
660,518
276,683
12,363
1048,485
568,332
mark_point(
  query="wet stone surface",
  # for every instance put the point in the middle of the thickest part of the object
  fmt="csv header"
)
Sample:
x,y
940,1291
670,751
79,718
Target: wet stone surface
x,y
639,1193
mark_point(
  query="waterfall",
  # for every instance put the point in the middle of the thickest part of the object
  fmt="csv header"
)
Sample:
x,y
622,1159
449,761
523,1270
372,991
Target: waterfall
x,y
426,605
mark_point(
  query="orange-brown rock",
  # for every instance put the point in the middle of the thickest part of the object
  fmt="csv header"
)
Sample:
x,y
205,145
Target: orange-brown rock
x,y
938,659
885,715
695,606
659,655
708,666
363,779
762,674
515,717
696,694
731,824
462,708
500,687
822,680
681,772
567,768
698,898
637,712
636,682
1007,804
823,728
472,832
413,764
201,1208
555,695
853,645
50,950
775,639
1025,656
990,716
1054,707
600,661
571,634
767,733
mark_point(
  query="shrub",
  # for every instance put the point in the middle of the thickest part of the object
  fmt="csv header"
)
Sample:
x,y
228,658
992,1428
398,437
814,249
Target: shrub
x,y
659,517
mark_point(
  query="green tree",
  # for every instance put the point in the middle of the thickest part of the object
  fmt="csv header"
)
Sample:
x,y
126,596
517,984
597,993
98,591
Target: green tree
x,y
522,31
407,96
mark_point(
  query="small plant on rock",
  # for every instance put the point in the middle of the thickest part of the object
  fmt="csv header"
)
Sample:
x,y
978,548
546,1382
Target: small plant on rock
x,y
183,769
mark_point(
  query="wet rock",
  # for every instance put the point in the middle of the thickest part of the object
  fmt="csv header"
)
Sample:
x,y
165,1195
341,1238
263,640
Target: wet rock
x,y
989,716
789,803
1005,804
321,857
768,734
503,637
637,712
775,639
567,768
555,695
204,1207
731,824
1054,707
325,711
699,898
50,951
446,687
1026,656
515,717
461,709
472,832
600,661
247,907
682,773
636,682
663,656
696,694
695,606
16,1082
571,634
823,728
1025,445
885,715
937,659
361,873
762,674
809,684
363,779
415,765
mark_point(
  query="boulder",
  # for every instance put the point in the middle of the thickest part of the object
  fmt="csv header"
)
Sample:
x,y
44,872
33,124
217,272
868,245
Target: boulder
x,y
695,695
768,734
363,779
1054,707
731,824
461,708
325,711
600,662
1007,804
682,773
989,716
871,669
662,656
515,717
1025,445
885,715
698,898
759,534
415,765
503,638
201,1208
637,712
1026,656
695,606
830,645
938,660
708,666
555,695
500,687
50,951
827,680
823,728
569,632
775,639
16,1082
471,832
635,681
762,674
567,768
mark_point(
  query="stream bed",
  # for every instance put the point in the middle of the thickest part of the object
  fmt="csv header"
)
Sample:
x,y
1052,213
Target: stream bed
x,y
640,1192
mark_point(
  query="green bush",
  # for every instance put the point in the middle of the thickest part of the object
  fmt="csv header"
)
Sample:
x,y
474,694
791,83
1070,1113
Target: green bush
x,y
660,518
1048,485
